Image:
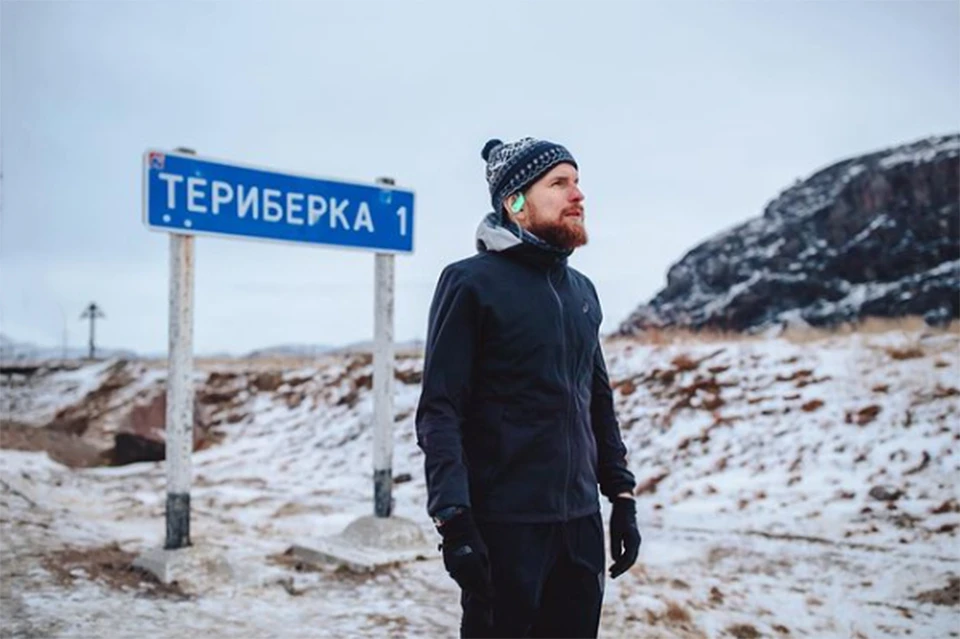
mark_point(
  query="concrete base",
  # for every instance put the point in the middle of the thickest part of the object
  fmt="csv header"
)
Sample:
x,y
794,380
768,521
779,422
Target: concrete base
x,y
369,543
193,568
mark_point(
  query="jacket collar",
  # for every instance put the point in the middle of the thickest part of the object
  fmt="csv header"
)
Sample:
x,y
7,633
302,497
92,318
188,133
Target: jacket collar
x,y
496,235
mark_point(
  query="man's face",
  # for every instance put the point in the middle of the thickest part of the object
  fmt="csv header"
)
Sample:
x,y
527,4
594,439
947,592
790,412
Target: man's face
x,y
553,210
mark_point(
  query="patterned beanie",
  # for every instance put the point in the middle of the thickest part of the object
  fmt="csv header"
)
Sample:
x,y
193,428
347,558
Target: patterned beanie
x,y
514,166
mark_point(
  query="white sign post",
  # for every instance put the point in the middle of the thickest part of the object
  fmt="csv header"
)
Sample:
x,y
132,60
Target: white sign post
x,y
179,426
383,360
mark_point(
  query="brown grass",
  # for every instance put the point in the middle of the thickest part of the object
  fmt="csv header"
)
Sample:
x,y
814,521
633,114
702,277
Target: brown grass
x,y
662,336
288,560
949,595
627,387
676,614
716,597
798,374
650,485
743,631
949,506
812,405
685,363
869,326
863,416
111,566
284,361
666,336
907,352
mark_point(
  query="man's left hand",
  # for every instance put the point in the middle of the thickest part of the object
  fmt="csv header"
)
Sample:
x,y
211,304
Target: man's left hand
x,y
624,535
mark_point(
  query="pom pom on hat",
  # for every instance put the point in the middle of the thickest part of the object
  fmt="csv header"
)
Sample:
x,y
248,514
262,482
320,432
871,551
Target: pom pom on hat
x,y
489,147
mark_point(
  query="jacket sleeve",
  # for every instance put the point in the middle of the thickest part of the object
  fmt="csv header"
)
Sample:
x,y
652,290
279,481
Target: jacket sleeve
x,y
448,363
613,474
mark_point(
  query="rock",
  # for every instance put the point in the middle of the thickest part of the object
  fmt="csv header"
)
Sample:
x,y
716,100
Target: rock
x,y
876,235
236,417
130,448
743,631
268,381
218,378
411,377
649,486
210,397
69,450
863,416
294,399
949,595
716,597
949,506
885,493
141,435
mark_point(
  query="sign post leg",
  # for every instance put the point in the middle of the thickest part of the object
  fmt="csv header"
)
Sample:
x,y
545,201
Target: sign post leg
x,y
383,387
383,356
179,560
179,445
382,538
179,422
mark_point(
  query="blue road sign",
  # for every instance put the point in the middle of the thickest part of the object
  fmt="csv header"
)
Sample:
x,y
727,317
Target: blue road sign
x,y
200,196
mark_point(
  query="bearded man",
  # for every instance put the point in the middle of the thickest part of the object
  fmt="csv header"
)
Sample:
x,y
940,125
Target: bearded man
x,y
516,416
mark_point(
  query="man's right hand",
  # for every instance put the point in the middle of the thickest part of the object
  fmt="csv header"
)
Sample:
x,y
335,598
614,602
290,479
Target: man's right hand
x,y
465,555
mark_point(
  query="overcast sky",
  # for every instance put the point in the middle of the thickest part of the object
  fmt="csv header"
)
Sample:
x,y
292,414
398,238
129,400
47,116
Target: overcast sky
x,y
685,118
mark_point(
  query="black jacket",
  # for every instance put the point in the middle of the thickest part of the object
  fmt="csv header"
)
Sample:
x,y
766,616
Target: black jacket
x,y
516,414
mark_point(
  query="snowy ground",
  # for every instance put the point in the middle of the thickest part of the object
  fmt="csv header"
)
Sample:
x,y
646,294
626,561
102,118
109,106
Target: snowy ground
x,y
787,489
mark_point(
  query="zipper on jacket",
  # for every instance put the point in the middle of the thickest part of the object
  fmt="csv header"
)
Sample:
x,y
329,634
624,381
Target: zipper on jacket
x,y
566,434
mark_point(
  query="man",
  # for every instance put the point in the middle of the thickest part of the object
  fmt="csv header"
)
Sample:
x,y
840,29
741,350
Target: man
x,y
516,416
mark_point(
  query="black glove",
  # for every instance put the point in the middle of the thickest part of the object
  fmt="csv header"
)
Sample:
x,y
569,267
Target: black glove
x,y
624,536
465,555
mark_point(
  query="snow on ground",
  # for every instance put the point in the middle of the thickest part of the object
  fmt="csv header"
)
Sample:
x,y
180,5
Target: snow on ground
x,y
59,389
787,489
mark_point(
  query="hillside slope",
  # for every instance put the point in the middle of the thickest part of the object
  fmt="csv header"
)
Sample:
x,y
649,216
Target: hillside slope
x,y
787,488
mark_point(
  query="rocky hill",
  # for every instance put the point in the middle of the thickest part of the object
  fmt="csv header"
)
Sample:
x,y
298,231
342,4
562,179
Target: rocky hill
x,y
876,235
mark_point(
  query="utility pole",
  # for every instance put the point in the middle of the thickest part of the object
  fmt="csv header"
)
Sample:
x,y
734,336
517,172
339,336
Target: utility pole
x,y
92,312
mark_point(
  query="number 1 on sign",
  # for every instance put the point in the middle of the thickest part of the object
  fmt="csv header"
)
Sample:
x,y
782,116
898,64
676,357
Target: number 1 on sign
x,y
402,213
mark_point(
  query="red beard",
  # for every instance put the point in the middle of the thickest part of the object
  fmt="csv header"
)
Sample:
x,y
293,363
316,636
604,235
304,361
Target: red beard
x,y
564,233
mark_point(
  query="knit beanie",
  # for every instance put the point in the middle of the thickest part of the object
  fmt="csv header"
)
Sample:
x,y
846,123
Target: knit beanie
x,y
514,166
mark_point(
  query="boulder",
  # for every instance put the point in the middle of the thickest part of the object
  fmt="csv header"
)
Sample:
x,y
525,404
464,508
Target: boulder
x,y
142,432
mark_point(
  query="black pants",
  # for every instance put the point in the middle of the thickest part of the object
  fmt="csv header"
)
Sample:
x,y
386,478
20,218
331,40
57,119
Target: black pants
x,y
547,578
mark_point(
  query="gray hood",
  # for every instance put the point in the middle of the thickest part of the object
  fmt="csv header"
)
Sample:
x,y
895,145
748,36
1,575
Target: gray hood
x,y
494,235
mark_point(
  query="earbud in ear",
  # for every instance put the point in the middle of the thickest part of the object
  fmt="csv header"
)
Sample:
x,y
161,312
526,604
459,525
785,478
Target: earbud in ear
x,y
518,203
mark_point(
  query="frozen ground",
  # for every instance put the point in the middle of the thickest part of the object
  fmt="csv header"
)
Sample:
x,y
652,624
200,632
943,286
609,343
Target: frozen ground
x,y
787,489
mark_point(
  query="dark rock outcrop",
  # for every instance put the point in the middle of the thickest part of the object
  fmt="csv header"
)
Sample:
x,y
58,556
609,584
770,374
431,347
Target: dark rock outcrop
x,y
142,433
872,236
130,448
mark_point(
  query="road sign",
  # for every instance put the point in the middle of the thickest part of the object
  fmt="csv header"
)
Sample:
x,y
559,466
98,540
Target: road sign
x,y
192,195
185,195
